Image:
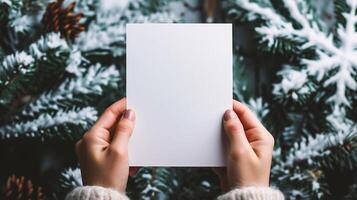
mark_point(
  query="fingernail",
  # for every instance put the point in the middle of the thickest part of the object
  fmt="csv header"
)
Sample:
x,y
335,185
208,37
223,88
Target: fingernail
x,y
129,114
229,114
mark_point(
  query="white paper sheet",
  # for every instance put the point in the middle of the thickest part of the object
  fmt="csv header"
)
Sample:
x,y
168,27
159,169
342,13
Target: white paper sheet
x,y
179,82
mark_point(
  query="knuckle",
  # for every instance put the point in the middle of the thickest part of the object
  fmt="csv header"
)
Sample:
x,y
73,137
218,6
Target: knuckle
x,y
125,127
110,110
232,127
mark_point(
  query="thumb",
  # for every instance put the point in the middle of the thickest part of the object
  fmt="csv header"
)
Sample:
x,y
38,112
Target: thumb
x,y
234,129
124,130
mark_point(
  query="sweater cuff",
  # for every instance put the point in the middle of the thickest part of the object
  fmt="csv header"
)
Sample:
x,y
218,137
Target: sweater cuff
x,y
95,192
253,193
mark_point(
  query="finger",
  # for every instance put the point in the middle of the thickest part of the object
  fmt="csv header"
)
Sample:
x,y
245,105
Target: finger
x,y
262,143
246,116
110,115
239,146
258,137
234,130
124,130
133,171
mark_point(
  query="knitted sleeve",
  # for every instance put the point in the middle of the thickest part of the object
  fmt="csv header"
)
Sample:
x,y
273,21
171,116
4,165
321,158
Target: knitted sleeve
x,y
95,193
252,193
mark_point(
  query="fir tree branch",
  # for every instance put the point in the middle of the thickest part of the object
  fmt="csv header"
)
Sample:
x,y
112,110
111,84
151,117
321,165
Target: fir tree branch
x,y
299,172
82,89
259,107
10,9
153,183
49,125
107,31
319,148
32,67
71,178
19,62
300,183
329,55
295,85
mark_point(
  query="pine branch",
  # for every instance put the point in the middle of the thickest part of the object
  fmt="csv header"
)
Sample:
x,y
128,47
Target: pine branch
x,y
294,86
341,7
196,183
71,178
300,183
72,123
150,6
240,89
87,7
238,14
352,193
34,67
322,147
305,161
327,54
259,107
106,34
153,183
16,18
9,9
81,90
20,62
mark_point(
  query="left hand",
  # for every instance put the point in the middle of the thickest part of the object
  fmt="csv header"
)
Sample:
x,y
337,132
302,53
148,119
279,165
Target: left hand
x,y
103,150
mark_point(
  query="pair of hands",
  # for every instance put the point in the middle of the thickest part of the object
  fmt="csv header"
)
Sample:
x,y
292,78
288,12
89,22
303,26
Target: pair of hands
x,y
103,150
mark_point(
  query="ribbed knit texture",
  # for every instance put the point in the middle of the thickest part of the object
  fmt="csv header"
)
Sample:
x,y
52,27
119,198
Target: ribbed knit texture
x,y
95,193
249,193
253,193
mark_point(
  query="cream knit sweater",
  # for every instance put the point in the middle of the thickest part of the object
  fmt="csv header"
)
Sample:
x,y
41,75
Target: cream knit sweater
x,y
249,193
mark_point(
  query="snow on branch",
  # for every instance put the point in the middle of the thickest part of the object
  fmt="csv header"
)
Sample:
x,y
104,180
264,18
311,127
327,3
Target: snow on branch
x,y
331,54
23,62
49,42
17,63
294,84
71,178
11,9
92,83
107,31
302,164
154,182
320,146
82,117
299,183
259,107
18,70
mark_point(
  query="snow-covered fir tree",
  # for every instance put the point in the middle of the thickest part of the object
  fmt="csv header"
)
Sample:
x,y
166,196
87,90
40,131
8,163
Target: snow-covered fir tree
x,y
312,101
55,82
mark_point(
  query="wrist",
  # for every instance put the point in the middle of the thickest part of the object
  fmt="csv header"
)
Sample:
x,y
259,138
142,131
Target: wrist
x,y
244,184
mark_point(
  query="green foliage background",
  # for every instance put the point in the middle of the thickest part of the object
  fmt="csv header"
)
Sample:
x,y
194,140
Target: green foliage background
x,y
52,89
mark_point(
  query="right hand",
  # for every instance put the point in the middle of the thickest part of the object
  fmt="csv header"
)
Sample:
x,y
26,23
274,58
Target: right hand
x,y
250,148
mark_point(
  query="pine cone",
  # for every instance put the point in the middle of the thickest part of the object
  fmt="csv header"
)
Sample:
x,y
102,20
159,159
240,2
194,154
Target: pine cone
x,y
21,189
63,20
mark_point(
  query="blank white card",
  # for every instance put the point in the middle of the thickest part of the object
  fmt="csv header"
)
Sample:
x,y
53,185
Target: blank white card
x,y
179,82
